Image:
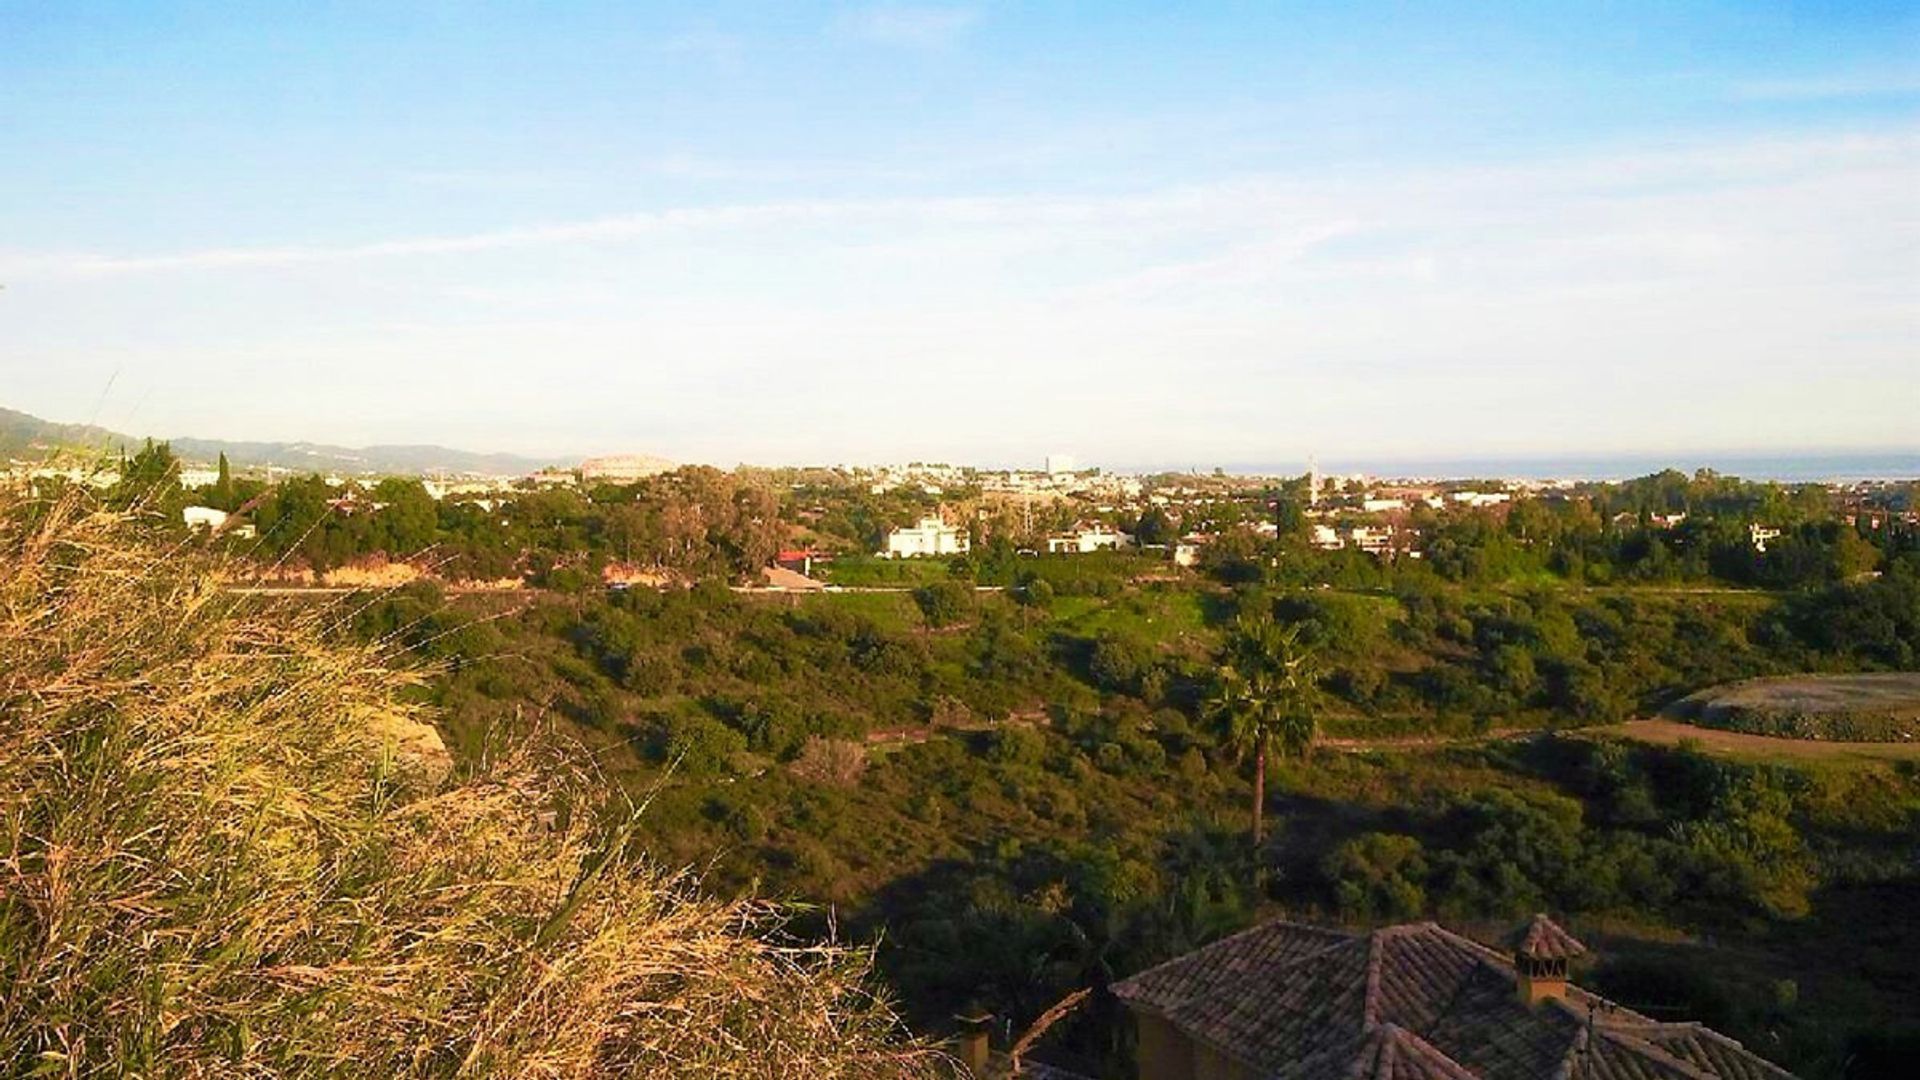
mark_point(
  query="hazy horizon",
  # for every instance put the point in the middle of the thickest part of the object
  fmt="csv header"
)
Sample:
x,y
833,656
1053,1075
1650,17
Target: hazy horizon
x,y
970,232
1810,465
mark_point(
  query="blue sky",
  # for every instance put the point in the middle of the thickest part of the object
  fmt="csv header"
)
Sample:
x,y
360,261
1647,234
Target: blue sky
x,y
1142,234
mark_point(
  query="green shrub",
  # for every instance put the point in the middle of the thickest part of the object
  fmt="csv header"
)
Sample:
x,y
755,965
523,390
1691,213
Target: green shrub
x,y
1378,877
943,603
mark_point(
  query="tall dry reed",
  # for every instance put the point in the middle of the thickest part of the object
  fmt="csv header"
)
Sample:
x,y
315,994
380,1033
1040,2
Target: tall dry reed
x,y
229,848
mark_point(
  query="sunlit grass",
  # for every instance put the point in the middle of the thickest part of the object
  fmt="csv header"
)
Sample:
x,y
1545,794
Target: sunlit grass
x,y
229,848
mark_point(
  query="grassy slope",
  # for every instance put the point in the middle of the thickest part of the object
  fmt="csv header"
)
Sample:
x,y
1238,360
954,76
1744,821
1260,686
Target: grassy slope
x,y
217,858
952,815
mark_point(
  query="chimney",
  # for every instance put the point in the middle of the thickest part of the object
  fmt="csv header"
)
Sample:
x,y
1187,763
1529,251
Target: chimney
x,y
1542,954
971,1040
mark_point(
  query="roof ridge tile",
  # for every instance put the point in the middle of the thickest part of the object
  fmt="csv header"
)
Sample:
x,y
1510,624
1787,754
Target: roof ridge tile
x,y
1652,1052
1699,1030
1370,1009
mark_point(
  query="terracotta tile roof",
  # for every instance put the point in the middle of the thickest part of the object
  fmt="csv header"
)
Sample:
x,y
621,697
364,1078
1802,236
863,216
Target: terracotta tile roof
x,y
1705,1049
1414,1002
1543,939
1203,972
1388,1052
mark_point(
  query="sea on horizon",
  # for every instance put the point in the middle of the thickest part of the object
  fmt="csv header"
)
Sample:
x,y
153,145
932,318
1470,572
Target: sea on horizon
x,y
1892,465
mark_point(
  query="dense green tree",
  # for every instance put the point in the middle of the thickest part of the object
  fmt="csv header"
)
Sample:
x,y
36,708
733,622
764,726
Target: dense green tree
x,y
293,518
1155,527
223,496
1378,877
149,482
943,603
1118,663
406,519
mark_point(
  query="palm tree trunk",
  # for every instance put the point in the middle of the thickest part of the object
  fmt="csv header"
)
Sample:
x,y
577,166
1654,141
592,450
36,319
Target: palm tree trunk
x,y
1259,795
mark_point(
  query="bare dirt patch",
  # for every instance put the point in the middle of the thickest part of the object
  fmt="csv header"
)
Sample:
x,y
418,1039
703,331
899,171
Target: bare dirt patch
x,y
1873,707
1735,744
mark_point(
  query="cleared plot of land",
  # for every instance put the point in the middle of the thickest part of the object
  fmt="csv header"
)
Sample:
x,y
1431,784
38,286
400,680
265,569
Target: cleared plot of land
x,y
1735,744
1876,707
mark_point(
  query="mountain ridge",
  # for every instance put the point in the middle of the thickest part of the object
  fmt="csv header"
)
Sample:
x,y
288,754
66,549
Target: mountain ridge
x,y
20,431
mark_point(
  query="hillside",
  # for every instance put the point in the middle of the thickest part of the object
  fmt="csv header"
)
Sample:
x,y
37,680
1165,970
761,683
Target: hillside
x,y
229,847
25,435
22,434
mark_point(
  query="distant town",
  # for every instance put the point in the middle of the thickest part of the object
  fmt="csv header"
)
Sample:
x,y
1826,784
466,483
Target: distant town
x,y
942,511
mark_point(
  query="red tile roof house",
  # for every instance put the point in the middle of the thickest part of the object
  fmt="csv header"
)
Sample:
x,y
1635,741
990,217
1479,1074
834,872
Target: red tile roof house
x,y
1285,1001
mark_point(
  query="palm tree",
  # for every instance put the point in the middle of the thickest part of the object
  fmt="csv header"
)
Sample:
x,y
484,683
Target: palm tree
x,y
1266,695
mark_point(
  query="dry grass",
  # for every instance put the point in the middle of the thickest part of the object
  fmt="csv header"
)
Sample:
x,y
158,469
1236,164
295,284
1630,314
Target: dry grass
x,y
1759,748
228,850
1879,706
830,761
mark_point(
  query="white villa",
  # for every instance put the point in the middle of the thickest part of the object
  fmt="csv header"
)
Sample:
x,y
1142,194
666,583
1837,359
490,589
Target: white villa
x,y
931,536
1086,539
1372,539
209,519
203,517
1480,499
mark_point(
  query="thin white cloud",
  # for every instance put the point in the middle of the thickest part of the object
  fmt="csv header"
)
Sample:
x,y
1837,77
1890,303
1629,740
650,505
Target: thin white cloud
x,y
1770,284
626,227
1220,233
916,26
1831,87
1227,230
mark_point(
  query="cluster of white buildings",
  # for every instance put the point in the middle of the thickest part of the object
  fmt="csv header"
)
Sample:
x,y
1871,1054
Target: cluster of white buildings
x,y
1395,500
932,536
100,475
1060,477
439,489
1056,484
1383,533
932,479
1478,500
623,468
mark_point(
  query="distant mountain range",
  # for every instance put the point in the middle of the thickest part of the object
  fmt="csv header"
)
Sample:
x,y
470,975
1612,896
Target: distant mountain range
x,y
26,436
